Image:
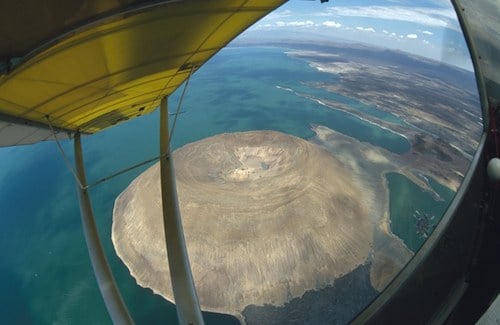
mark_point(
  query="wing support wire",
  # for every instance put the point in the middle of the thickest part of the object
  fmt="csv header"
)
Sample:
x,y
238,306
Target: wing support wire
x,y
63,154
107,285
186,299
125,170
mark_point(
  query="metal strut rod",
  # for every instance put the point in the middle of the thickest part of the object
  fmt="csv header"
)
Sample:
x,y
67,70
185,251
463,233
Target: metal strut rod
x,y
186,300
112,298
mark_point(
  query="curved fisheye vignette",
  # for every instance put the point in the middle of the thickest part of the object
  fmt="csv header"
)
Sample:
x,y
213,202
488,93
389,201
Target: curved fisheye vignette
x,y
385,110
313,157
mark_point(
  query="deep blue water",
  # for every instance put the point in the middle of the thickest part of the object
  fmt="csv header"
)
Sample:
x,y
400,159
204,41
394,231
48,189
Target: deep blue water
x,y
45,270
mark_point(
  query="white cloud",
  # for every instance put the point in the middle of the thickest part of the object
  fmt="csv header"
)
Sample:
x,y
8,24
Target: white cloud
x,y
300,23
426,32
426,42
280,23
385,31
331,23
413,36
279,14
366,29
435,17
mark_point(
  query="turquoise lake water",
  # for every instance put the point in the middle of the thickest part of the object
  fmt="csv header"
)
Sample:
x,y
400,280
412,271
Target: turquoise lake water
x,y
45,269
413,208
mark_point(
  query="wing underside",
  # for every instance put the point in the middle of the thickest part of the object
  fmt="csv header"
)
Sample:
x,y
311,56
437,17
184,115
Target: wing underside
x,y
117,67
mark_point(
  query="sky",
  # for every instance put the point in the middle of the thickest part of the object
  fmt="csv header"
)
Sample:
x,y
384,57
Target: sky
x,y
427,28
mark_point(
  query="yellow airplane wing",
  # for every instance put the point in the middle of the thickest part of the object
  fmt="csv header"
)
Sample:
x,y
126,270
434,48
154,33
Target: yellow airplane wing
x,y
116,67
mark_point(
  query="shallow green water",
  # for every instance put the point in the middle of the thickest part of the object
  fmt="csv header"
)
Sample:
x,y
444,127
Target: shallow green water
x,y
415,212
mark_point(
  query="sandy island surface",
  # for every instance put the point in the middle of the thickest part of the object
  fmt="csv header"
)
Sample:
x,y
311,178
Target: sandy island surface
x,y
267,216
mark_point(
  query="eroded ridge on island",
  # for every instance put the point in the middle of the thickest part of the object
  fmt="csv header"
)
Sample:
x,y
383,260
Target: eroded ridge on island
x,y
267,216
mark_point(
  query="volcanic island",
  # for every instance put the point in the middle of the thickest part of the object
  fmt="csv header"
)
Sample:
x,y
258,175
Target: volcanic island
x,y
267,217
